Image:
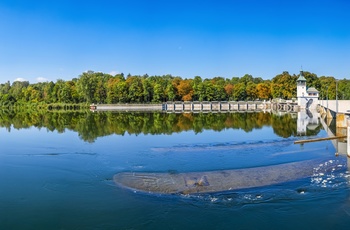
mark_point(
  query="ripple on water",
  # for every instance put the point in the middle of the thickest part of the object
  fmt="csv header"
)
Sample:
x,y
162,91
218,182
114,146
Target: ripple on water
x,y
331,174
225,146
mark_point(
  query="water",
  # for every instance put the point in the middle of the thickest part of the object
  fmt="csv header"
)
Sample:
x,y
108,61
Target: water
x,y
61,178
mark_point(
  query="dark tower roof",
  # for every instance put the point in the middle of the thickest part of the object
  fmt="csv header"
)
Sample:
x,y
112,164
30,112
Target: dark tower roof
x,y
301,77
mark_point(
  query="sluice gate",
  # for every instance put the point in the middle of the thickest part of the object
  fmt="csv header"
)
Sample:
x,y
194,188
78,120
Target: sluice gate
x,y
228,106
200,106
216,106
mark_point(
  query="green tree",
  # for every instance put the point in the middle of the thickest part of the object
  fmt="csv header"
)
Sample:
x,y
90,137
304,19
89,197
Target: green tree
x,y
16,90
135,89
87,85
284,86
327,89
170,91
251,91
240,92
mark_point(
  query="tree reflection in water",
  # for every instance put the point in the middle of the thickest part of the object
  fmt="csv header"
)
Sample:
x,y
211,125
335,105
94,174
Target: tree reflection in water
x,y
93,125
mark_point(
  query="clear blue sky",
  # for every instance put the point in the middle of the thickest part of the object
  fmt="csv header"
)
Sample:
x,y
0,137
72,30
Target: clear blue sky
x,y
44,39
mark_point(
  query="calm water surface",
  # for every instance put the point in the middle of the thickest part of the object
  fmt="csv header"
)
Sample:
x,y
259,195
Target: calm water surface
x,y
57,179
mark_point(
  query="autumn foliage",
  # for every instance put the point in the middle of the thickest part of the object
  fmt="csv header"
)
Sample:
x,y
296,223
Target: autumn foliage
x,y
97,87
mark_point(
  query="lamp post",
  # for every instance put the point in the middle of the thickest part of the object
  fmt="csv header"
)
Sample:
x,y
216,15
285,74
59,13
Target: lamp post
x,y
327,97
336,96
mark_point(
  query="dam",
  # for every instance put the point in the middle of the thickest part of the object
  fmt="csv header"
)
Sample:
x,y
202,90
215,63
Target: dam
x,y
202,106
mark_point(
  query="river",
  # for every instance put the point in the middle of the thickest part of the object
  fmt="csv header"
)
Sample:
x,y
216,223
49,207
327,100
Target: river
x,y
57,169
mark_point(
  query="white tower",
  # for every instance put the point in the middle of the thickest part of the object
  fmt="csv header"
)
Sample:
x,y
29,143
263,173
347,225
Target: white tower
x,y
307,97
301,90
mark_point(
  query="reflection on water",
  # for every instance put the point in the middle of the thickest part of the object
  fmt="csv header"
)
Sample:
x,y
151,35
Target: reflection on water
x,y
56,171
246,145
93,125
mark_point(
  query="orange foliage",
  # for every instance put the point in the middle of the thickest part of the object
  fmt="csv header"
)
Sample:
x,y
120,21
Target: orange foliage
x,y
229,89
185,90
263,91
187,97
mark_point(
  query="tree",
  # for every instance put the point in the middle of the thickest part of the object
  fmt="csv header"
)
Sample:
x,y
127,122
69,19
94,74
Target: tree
x,y
5,93
197,88
16,90
148,85
158,94
135,90
344,89
229,89
185,90
87,85
98,87
263,90
246,78
100,95
251,91
311,79
218,84
240,92
47,92
327,89
284,86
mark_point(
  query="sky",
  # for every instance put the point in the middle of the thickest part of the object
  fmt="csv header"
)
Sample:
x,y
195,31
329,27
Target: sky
x,y
46,40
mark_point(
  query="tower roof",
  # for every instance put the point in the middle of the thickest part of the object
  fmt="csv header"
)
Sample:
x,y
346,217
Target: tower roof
x,y
301,77
312,90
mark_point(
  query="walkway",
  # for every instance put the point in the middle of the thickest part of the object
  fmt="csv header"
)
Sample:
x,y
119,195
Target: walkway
x,y
343,105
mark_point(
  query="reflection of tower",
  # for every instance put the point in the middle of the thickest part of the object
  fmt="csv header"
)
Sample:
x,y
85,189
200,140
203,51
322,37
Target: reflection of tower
x,y
307,120
302,123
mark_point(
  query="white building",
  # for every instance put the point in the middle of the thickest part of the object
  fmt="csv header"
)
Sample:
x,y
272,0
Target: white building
x,y
307,97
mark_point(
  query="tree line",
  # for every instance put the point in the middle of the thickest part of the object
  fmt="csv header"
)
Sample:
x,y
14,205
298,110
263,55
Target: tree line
x,y
98,87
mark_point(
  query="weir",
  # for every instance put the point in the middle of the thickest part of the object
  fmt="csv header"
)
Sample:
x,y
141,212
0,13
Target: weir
x,y
215,106
223,180
202,106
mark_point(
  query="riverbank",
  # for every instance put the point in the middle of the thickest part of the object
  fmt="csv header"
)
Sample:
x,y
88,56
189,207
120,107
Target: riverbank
x,y
44,107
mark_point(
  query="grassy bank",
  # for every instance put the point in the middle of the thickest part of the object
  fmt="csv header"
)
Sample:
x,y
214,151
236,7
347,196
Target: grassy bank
x,y
44,107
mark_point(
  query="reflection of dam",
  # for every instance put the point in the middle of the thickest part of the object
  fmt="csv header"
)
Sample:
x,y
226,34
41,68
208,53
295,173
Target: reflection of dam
x,y
339,144
308,121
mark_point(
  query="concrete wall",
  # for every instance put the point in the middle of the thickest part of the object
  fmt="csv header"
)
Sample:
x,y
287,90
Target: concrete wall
x,y
343,105
348,139
128,107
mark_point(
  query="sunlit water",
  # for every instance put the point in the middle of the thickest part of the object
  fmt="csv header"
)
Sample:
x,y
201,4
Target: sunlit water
x,y
51,180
